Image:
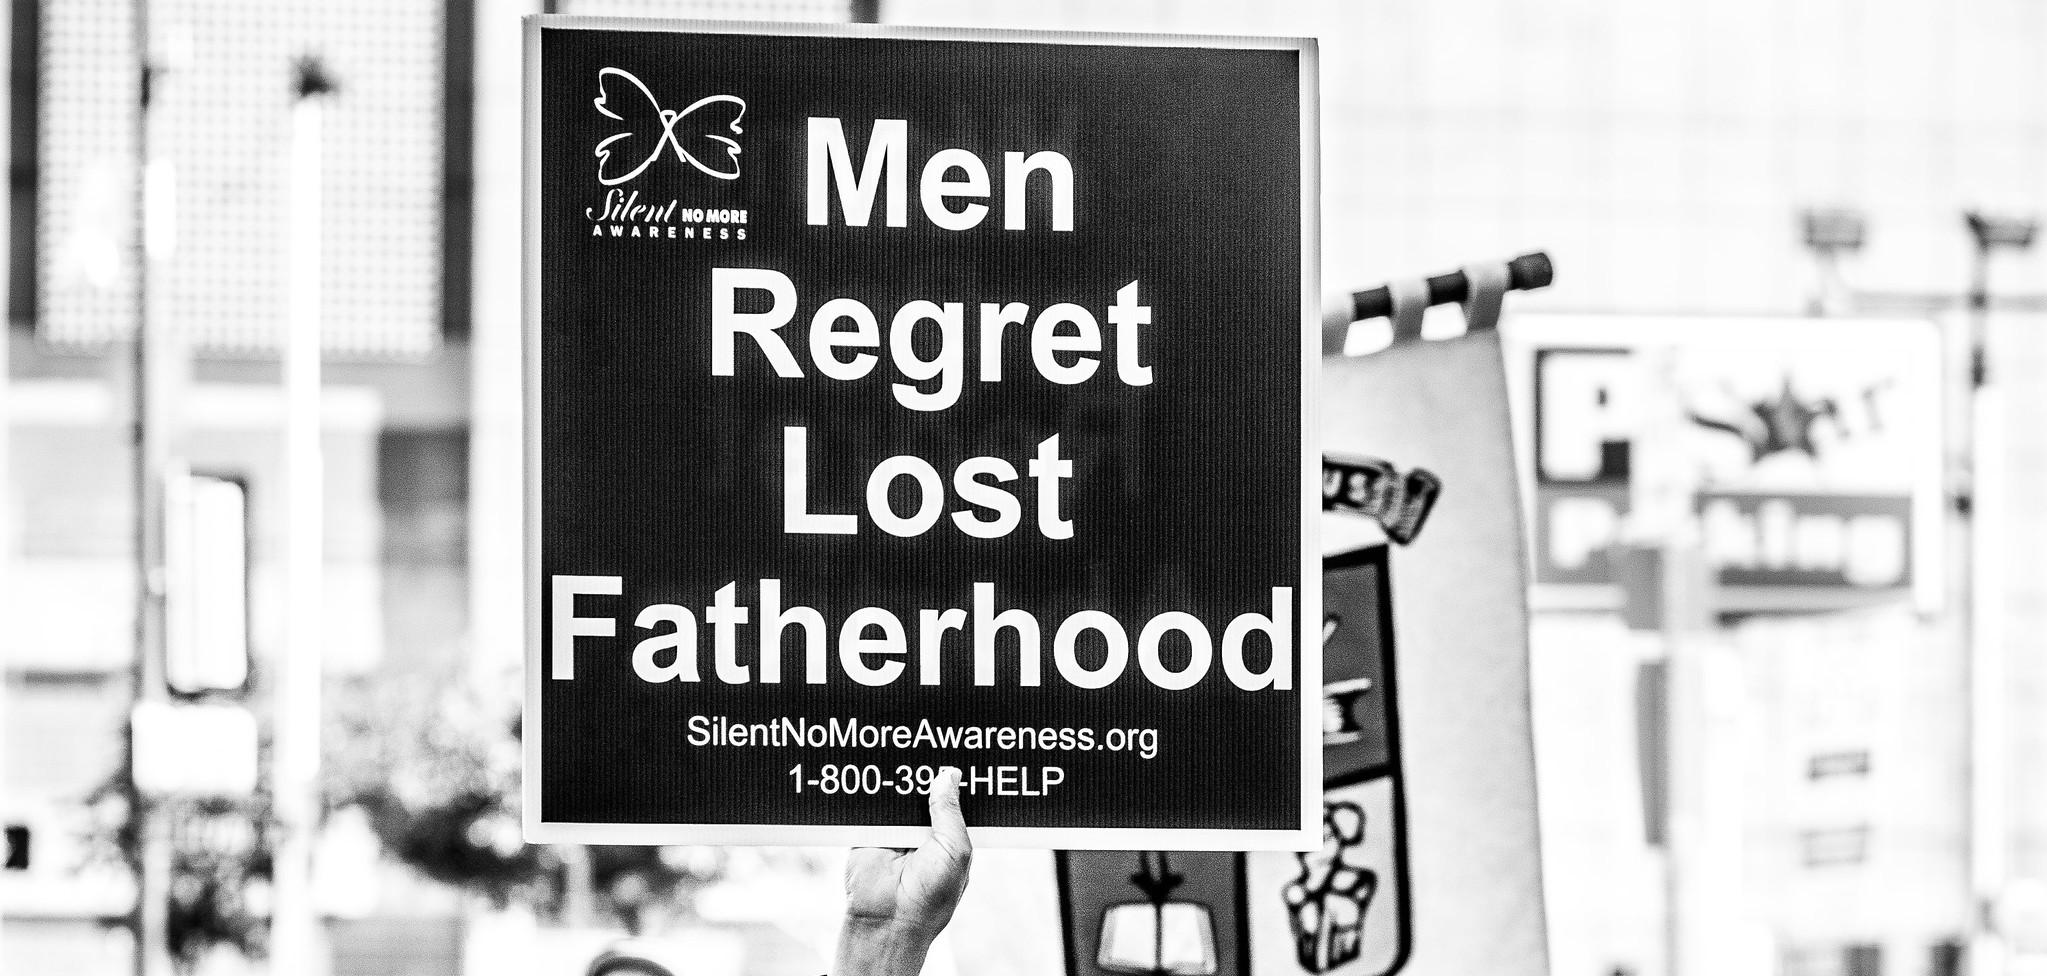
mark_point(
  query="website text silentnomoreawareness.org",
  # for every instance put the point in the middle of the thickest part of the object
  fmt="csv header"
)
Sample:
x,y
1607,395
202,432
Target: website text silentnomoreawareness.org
x,y
853,733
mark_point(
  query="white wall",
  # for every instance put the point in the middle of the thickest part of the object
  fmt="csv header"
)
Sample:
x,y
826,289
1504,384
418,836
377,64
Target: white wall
x,y
1660,151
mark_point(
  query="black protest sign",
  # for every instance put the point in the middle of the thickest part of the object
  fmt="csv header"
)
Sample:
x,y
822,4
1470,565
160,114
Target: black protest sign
x,y
899,400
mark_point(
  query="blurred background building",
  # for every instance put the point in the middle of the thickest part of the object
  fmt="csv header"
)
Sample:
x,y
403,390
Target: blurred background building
x,y
1815,793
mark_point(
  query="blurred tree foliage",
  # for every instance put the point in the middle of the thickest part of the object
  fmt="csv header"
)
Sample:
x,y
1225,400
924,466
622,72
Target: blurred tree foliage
x,y
436,765
434,760
220,863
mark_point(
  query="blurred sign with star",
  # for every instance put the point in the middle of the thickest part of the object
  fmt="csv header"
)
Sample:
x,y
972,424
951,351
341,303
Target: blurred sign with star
x,y
1802,455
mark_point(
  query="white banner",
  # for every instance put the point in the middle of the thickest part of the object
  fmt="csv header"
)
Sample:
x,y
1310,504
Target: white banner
x,y
1430,860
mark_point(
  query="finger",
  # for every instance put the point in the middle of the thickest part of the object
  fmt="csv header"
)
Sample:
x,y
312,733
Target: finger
x,y
948,826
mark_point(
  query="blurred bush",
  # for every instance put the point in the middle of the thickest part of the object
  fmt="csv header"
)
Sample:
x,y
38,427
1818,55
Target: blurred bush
x,y
436,765
434,761
220,863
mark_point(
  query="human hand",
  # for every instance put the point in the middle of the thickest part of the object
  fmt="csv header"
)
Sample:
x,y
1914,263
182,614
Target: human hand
x,y
898,901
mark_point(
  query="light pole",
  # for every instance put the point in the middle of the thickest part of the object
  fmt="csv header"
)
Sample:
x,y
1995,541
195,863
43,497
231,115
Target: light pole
x,y
160,364
296,945
1989,838
1968,404
6,522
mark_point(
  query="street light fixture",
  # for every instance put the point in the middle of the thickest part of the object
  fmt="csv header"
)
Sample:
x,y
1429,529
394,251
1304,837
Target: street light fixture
x,y
1991,233
1831,232
2001,231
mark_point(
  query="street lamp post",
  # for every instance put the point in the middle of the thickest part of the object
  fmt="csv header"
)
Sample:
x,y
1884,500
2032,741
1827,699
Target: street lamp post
x,y
296,944
1972,569
1989,842
160,363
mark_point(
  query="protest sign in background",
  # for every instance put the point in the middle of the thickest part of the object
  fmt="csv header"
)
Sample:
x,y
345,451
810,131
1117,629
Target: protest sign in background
x,y
901,400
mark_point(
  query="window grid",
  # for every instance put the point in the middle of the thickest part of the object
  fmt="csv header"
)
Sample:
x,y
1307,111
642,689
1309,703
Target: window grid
x,y
222,122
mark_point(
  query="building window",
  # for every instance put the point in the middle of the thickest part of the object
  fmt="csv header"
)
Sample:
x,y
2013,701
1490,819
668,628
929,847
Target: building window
x,y
393,255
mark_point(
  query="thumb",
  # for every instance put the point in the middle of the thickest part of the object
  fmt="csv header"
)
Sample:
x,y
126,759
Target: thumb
x,y
948,826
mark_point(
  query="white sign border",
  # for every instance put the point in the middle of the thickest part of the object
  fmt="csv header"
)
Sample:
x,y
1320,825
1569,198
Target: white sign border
x,y
1306,836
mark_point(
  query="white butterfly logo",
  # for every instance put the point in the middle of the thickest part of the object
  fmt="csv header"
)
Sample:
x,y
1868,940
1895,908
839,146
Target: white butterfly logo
x,y
653,129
